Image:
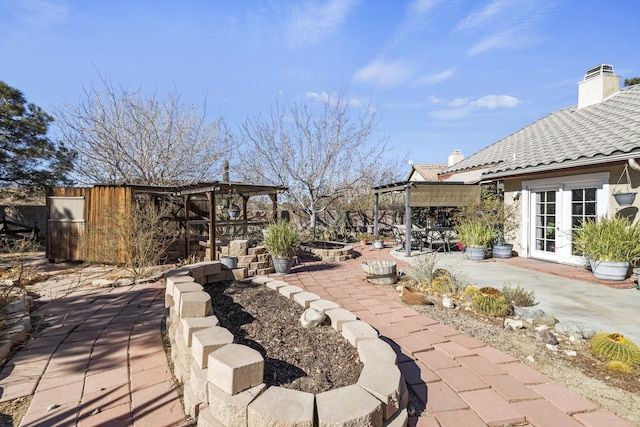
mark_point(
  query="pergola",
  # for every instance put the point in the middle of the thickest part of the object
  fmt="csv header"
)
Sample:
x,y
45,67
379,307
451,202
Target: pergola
x,y
233,189
426,194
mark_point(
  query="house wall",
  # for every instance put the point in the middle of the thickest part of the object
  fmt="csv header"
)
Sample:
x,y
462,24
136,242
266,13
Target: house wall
x,y
617,182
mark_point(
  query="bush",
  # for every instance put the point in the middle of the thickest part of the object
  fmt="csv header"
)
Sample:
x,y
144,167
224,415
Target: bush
x,y
519,296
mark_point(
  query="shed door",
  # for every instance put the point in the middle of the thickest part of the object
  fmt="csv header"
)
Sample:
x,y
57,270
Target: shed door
x,y
65,228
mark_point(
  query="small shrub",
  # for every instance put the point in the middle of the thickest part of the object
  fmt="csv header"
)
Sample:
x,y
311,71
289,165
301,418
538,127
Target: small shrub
x,y
491,301
439,272
519,296
615,347
422,267
619,367
442,284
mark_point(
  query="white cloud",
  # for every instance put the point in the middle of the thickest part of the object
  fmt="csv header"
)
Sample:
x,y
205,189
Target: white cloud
x,y
332,98
459,102
435,78
383,73
496,101
487,15
435,100
314,21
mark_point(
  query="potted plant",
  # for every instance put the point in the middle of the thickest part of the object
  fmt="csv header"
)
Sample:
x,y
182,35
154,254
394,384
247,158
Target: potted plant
x,y
475,236
364,238
504,223
378,242
234,211
282,240
609,243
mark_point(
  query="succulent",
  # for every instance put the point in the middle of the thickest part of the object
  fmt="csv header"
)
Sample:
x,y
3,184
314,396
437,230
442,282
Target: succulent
x,y
442,284
491,301
439,272
619,367
519,296
470,291
615,347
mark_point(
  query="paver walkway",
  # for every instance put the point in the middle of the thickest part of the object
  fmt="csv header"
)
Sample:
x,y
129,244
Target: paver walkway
x,y
462,382
101,361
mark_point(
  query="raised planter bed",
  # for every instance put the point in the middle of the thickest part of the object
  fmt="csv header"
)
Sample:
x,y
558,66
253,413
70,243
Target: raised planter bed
x,y
326,251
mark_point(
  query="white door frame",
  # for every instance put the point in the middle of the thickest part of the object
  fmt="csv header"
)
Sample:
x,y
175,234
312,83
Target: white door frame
x,y
562,186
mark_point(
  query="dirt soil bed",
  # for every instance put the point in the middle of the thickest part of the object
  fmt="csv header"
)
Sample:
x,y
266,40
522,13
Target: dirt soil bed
x,y
310,360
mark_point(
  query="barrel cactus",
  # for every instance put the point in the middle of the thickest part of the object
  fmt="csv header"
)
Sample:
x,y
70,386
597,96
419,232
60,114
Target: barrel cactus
x,y
614,346
442,284
620,368
491,301
470,291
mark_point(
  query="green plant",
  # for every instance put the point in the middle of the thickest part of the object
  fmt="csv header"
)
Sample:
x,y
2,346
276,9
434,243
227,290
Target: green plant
x,y
422,267
614,346
611,238
619,367
470,291
519,296
282,239
442,284
363,236
491,301
474,233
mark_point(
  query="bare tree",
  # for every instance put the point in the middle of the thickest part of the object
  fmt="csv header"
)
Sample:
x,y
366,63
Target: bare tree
x,y
323,158
126,136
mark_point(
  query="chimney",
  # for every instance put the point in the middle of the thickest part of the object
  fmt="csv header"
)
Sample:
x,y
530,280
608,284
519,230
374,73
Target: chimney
x,y
599,83
455,157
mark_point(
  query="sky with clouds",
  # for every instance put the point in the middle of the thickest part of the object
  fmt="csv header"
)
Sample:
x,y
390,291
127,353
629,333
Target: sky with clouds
x,y
440,74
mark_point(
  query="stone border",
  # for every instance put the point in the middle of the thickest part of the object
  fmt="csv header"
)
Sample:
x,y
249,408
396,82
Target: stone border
x,y
327,255
223,381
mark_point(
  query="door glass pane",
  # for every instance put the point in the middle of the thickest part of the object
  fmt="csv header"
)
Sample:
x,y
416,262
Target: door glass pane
x,y
545,220
583,208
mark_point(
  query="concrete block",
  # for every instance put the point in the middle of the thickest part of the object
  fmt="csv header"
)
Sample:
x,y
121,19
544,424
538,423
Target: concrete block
x,y
240,273
305,298
191,404
191,325
182,369
376,351
168,300
218,277
183,288
323,305
358,330
238,247
262,280
340,316
212,267
245,260
263,271
197,270
231,411
206,341
401,419
279,406
206,419
182,271
382,380
259,265
234,368
276,284
348,406
289,291
198,383
170,282
195,304
258,250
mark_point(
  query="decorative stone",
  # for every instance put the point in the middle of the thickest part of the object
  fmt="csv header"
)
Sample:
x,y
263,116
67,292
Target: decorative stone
x,y
311,318
552,347
235,368
448,302
513,324
545,319
279,406
571,353
548,337
574,329
530,314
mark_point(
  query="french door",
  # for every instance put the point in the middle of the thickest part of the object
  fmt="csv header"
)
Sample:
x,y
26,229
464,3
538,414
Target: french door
x,y
557,209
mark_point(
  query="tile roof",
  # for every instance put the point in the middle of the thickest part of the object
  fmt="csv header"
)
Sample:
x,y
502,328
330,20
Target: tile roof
x,y
428,171
590,135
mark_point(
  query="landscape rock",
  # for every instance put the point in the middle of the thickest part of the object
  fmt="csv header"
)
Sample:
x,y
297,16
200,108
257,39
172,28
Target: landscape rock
x,y
448,302
102,283
575,329
512,323
552,347
571,353
414,299
125,281
548,337
311,318
530,314
545,319
520,311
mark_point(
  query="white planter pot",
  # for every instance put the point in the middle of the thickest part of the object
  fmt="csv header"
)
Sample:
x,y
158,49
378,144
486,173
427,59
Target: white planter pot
x,y
608,270
378,244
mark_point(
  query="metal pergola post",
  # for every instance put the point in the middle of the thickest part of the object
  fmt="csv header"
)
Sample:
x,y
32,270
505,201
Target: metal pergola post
x,y
407,219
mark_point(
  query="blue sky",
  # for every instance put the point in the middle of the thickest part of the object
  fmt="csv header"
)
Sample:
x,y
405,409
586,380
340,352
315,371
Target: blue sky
x,y
441,75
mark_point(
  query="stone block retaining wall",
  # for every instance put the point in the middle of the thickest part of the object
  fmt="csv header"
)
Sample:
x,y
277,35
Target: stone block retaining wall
x,y
223,381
